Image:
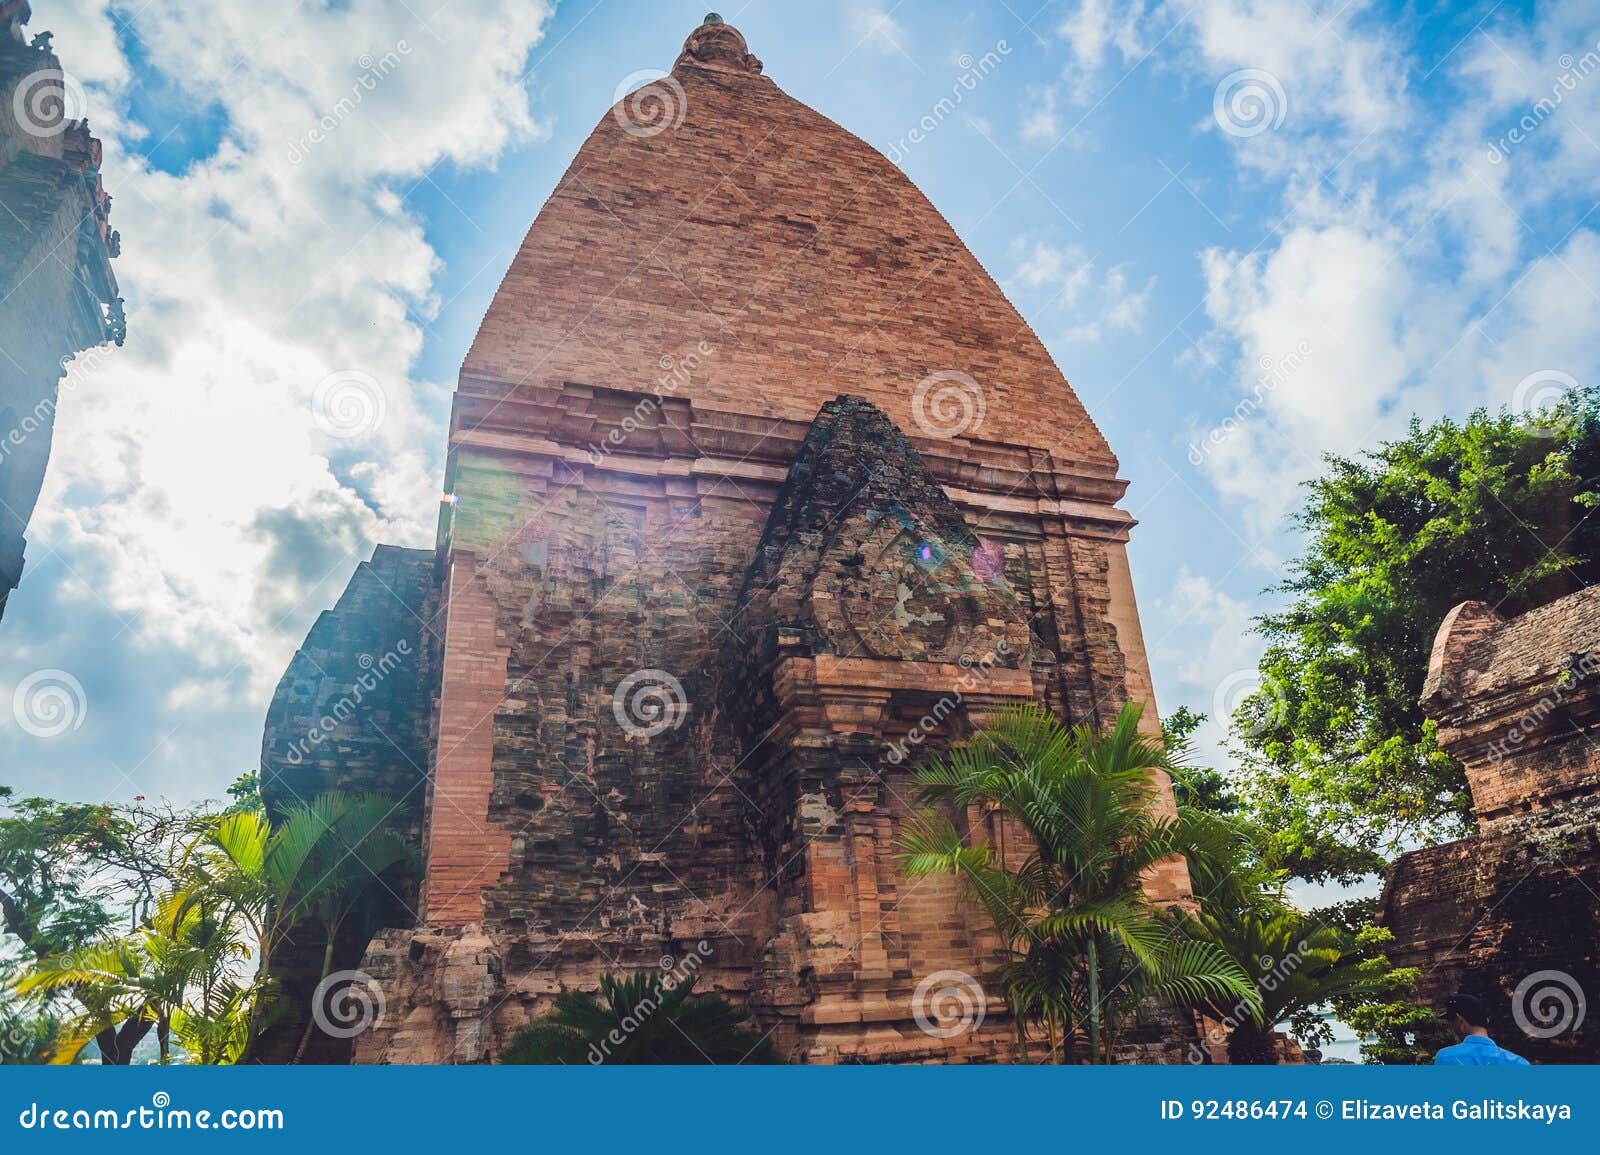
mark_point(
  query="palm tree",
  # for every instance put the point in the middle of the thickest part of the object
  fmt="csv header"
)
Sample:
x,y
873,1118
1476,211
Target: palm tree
x,y
656,1020
1300,966
243,885
1084,945
314,865
144,976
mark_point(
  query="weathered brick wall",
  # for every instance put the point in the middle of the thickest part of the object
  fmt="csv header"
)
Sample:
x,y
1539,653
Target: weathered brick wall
x,y
637,399
352,712
1486,914
1512,914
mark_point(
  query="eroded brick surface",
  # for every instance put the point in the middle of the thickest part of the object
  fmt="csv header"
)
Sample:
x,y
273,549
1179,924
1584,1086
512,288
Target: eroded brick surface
x,y
687,616
1517,905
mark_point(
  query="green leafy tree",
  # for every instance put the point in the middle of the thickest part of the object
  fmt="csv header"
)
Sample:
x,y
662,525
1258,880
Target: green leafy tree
x,y
1200,788
646,1018
238,889
70,874
314,866
1300,965
1084,945
1339,762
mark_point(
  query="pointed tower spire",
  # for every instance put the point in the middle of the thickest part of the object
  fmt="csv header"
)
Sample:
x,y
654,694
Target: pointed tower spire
x,y
717,45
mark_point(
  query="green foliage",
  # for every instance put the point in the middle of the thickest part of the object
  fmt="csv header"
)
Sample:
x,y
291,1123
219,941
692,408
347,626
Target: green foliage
x,y
1084,946
1394,1028
50,897
1198,788
646,1018
1339,762
1300,965
228,897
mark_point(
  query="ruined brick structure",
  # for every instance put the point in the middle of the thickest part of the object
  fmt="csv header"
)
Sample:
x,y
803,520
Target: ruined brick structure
x,y
57,293
756,481
1512,913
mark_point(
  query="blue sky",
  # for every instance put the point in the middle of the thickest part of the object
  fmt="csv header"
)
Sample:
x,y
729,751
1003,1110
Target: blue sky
x,y
1396,215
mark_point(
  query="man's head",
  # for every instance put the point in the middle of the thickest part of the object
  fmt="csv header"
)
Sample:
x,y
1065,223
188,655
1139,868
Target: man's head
x,y
1467,1015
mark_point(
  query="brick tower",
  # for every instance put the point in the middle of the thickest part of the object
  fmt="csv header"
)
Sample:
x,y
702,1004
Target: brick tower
x,y
757,483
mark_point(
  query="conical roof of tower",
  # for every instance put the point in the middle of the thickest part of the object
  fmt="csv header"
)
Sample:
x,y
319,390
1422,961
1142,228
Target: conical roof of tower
x,y
710,206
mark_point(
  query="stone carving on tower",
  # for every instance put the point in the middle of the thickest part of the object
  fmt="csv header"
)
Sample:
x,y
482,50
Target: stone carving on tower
x,y
757,484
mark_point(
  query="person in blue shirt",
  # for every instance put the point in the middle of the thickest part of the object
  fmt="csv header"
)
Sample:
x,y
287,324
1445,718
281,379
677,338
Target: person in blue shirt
x,y
1470,1020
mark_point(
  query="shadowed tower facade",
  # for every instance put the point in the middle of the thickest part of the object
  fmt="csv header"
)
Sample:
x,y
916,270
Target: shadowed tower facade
x,y
757,483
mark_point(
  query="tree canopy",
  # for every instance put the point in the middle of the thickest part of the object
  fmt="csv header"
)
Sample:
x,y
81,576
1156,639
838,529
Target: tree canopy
x,y
1337,758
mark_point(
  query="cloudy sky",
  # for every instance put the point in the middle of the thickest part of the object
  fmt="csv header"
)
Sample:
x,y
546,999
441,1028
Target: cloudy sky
x,y
1250,231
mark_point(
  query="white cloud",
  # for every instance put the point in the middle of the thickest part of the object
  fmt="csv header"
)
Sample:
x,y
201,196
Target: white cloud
x,y
1094,306
1401,270
1092,30
878,29
1209,649
188,461
1335,64
1039,120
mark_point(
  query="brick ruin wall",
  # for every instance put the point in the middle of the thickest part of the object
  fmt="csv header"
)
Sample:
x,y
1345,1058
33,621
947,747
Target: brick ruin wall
x,y
1512,913
567,849
686,302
